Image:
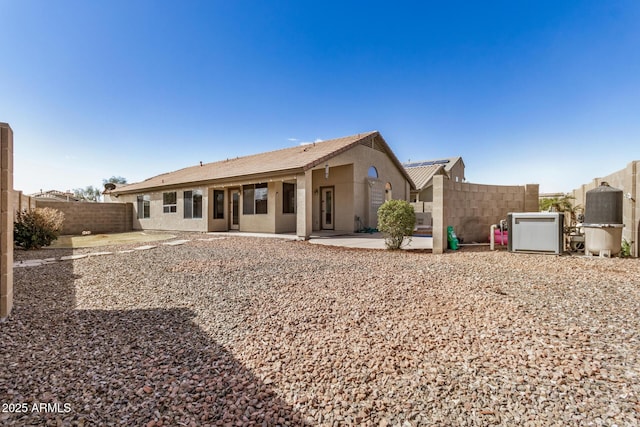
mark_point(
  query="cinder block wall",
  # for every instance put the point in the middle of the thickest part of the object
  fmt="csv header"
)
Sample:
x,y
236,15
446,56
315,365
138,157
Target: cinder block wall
x,y
6,223
22,202
472,208
628,181
94,217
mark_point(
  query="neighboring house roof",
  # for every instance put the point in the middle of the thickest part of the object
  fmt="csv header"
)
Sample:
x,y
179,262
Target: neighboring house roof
x,y
63,196
422,172
421,176
295,159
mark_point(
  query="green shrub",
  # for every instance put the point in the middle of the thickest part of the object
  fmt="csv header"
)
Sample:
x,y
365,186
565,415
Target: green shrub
x,y
625,252
396,219
37,228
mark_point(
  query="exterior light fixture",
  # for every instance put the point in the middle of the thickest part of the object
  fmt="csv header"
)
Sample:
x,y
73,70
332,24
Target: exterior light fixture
x,y
326,171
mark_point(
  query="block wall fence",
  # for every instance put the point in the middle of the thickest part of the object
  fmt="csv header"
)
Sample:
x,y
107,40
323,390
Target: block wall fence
x,y
628,181
94,217
6,214
22,202
472,208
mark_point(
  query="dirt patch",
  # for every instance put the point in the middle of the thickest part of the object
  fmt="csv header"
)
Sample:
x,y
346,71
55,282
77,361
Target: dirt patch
x,y
96,240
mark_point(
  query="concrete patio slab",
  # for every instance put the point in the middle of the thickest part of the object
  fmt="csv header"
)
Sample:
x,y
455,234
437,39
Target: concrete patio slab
x,y
339,238
243,234
371,241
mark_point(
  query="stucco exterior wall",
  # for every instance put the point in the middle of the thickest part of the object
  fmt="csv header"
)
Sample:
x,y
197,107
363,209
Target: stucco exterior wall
x,y
426,195
261,223
159,220
274,221
341,180
628,181
218,224
457,172
472,208
362,158
94,217
285,222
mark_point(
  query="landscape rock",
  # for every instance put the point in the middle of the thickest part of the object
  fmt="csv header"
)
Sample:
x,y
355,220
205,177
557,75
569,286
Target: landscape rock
x,y
254,331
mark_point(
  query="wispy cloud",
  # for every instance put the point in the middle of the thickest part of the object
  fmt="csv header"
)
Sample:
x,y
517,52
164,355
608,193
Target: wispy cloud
x,y
293,139
313,142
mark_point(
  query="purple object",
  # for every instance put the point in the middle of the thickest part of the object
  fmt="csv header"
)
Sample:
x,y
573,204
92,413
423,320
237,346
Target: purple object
x,y
501,237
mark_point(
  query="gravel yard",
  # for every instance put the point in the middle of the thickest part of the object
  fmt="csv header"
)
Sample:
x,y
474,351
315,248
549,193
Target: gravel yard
x,y
250,331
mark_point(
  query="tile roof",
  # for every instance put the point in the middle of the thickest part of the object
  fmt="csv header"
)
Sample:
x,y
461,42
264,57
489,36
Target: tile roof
x,y
422,172
295,159
63,196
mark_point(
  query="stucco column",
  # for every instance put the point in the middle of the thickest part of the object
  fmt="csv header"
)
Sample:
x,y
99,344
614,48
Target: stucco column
x,y
304,205
6,224
439,231
630,206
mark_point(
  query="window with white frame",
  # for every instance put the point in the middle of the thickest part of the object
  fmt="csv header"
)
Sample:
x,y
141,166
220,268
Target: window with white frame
x,y
247,200
254,199
144,207
170,202
193,204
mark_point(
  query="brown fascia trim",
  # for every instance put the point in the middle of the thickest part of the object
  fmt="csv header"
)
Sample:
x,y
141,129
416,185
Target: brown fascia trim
x,y
341,150
398,163
239,180
372,136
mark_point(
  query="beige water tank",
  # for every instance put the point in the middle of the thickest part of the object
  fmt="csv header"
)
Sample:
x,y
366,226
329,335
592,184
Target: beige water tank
x,y
603,239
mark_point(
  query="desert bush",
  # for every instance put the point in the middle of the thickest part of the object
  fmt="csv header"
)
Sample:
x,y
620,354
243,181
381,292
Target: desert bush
x,y
625,252
37,228
396,219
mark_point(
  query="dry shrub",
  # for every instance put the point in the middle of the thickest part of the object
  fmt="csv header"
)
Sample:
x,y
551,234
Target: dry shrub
x,y
37,228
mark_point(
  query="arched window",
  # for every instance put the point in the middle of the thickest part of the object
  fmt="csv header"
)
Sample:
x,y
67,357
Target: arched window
x,y
373,172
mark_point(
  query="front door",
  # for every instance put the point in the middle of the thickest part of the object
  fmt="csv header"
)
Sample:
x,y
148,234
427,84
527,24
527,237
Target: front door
x,y
327,208
234,210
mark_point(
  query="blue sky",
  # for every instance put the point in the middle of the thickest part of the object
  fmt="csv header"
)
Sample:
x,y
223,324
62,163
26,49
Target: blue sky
x,y
525,91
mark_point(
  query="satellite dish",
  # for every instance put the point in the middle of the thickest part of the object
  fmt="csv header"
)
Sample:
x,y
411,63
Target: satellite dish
x,y
109,186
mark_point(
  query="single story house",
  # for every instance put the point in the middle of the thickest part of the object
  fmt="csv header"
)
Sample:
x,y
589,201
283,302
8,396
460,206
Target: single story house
x,y
331,185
